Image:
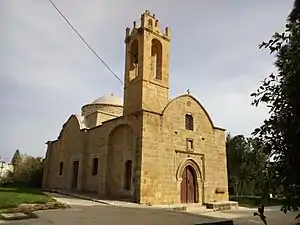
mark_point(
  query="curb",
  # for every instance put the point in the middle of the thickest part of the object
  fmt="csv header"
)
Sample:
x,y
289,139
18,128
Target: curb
x,y
78,196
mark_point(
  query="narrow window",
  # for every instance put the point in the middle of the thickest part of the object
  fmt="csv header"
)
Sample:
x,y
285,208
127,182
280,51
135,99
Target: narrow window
x,y
128,168
95,166
61,168
133,60
189,122
150,23
190,145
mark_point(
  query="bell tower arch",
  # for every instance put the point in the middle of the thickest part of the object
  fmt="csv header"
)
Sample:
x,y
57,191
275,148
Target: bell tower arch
x,y
146,66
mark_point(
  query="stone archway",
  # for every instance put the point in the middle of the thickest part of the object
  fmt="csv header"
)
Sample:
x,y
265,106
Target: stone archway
x,y
119,151
190,182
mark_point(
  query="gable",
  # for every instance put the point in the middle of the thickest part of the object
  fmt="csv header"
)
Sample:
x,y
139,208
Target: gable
x,y
72,125
176,110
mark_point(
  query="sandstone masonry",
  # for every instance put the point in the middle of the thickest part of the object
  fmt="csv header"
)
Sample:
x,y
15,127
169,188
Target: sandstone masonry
x,y
150,149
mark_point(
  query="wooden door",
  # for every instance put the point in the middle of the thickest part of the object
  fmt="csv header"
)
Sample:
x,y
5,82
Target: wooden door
x,y
191,187
75,174
188,186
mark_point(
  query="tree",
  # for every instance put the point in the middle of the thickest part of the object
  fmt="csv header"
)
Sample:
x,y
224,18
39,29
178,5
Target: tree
x,y
244,159
35,169
235,150
281,131
16,158
28,173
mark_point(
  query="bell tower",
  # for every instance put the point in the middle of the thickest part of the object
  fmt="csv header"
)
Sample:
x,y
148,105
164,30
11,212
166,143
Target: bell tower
x,y
147,55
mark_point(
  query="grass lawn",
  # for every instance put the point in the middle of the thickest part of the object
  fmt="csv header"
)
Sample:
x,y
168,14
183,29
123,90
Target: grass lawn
x,y
11,197
254,201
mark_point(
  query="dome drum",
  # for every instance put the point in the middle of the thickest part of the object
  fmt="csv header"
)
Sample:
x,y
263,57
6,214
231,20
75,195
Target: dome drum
x,y
107,103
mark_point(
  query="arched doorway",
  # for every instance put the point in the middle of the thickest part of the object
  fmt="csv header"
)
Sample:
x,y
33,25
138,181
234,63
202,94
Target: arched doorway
x,y
120,149
188,188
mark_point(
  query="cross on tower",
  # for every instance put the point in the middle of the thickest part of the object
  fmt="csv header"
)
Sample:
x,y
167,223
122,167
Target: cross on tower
x,y
188,91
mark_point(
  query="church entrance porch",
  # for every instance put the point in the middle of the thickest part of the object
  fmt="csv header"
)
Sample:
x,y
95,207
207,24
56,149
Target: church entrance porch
x,y
188,187
190,183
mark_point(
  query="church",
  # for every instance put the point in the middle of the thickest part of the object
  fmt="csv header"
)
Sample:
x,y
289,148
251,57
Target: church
x,y
146,147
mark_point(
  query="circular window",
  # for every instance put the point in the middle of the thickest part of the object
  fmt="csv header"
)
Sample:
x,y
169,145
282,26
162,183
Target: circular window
x,y
188,103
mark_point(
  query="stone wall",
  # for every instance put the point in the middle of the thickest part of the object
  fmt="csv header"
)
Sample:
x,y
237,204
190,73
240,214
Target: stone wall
x,y
151,133
113,143
96,114
68,148
164,146
157,145
91,108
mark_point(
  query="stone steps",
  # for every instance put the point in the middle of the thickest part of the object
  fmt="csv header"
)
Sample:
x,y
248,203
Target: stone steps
x,y
207,207
223,205
196,207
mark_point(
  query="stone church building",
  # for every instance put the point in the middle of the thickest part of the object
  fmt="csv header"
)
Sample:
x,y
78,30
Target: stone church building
x,y
147,148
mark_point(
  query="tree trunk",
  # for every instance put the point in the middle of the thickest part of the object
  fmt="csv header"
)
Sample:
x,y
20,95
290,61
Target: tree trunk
x,y
241,187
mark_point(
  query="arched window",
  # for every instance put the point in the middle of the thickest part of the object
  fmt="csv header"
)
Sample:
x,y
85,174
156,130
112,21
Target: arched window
x,y
150,23
156,55
189,122
128,175
133,54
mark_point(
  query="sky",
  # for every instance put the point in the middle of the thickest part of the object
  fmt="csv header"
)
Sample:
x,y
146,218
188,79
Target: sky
x,y
47,73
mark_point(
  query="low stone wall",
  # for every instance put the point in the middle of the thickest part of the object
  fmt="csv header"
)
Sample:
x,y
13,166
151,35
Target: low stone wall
x,y
218,206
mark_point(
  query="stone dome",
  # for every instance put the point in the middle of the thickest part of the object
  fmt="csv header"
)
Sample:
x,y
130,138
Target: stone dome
x,y
109,100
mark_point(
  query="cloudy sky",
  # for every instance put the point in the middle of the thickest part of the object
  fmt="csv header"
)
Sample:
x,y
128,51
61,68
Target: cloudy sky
x,y
47,73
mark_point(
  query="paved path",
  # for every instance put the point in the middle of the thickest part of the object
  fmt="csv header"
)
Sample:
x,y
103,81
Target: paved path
x,y
244,216
110,215
73,201
84,212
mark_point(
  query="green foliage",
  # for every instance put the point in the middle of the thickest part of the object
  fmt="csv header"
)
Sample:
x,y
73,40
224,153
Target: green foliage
x,y
28,171
245,158
252,202
281,131
13,197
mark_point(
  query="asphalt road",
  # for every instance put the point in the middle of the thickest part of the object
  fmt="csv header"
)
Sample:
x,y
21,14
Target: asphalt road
x,y
110,215
83,212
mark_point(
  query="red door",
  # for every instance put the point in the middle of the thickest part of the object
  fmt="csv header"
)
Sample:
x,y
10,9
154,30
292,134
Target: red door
x,y
188,186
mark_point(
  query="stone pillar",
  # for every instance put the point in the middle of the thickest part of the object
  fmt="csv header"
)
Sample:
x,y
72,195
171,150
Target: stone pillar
x,y
179,180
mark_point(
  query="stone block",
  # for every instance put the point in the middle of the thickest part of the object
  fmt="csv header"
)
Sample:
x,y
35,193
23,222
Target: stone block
x,y
13,216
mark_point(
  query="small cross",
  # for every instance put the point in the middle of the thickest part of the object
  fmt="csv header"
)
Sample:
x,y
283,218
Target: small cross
x,y
188,91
